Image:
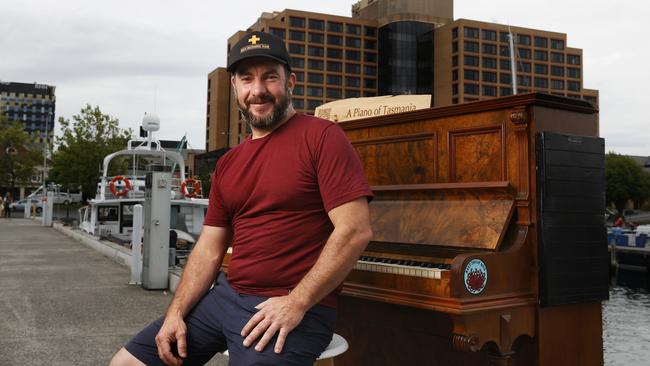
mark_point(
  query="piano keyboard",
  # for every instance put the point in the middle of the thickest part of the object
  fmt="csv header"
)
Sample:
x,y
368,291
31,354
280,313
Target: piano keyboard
x,y
401,267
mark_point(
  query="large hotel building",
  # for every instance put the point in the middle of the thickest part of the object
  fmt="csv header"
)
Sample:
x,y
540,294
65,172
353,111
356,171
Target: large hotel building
x,y
31,104
401,47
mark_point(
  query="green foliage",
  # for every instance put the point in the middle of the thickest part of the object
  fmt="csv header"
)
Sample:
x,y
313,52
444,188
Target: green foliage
x,y
625,180
86,140
18,158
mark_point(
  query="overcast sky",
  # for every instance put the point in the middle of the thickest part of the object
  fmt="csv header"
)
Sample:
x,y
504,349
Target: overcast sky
x,y
124,55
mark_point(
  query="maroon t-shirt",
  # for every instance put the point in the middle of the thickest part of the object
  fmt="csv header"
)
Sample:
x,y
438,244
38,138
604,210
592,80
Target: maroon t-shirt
x,y
275,193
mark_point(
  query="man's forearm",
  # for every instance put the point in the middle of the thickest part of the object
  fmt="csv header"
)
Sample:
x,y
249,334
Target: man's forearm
x,y
198,275
337,259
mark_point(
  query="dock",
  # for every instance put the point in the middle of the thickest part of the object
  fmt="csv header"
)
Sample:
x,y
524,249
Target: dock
x,y
63,303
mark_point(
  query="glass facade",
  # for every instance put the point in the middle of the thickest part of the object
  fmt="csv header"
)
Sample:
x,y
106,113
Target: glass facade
x,y
406,65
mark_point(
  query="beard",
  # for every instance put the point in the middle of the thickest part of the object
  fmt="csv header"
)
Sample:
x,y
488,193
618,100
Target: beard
x,y
271,120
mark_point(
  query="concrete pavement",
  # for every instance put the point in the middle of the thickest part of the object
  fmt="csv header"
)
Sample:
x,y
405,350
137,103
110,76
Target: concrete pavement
x,y
62,303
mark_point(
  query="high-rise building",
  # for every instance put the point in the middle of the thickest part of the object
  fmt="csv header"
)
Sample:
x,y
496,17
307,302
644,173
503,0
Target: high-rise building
x,y
31,104
401,47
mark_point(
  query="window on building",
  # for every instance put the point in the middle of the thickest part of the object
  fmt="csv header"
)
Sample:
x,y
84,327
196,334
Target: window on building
x,y
316,24
315,78
370,44
297,63
524,80
504,64
557,70
470,74
334,53
352,82
370,31
369,93
557,57
541,55
352,55
349,93
541,69
454,60
471,89
316,37
298,103
454,89
313,104
296,35
541,83
523,39
300,76
369,70
335,27
523,66
557,84
489,35
454,33
490,48
573,59
573,86
297,22
298,90
489,76
504,51
573,72
505,78
490,91
454,47
470,32
334,80
524,53
370,57
334,40
353,42
454,75
316,51
315,64
314,91
334,66
352,68
557,44
277,32
505,91
504,37
334,93
296,49
489,63
470,60
369,83
353,29
541,42
470,46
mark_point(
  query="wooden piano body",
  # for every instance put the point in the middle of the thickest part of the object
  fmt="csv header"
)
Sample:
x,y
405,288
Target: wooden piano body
x,y
454,274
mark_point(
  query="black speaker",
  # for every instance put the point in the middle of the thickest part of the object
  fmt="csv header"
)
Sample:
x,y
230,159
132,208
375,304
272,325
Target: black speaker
x,y
573,255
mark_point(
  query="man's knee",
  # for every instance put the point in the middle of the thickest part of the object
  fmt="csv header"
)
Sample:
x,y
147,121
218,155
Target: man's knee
x,y
124,358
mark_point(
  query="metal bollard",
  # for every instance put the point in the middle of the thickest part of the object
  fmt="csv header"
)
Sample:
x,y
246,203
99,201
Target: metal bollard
x,y
136,246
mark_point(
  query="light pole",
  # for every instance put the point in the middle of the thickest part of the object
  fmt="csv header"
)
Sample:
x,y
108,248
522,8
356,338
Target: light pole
x,y
49,115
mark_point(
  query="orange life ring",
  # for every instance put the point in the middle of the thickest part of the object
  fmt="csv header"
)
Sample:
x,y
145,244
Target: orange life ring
x,y
195,184
122,191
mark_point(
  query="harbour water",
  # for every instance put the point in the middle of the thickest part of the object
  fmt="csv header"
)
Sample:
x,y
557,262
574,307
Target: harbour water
x,y
626,320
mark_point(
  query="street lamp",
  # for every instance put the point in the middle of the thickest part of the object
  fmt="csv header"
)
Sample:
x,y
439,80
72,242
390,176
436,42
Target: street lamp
x,y
49,115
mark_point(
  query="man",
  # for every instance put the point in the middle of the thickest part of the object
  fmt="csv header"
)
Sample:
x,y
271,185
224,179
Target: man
x,y
293,201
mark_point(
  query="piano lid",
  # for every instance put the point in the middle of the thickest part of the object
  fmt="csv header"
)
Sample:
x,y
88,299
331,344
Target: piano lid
x,y
456,215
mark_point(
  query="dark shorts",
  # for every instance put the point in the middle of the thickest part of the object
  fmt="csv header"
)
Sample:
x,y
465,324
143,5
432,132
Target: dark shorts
x,y
215,324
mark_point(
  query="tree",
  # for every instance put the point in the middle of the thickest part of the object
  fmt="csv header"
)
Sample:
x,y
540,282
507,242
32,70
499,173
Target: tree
x,y
18,157
85,141
625,181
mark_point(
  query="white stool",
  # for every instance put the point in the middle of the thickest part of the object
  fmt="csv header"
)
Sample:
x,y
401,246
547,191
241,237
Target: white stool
x,y
338,345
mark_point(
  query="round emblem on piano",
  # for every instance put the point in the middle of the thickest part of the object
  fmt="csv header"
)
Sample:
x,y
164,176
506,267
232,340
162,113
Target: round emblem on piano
x,y
475,276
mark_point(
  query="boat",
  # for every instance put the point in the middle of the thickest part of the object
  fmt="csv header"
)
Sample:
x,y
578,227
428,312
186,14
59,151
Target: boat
x,y
109,215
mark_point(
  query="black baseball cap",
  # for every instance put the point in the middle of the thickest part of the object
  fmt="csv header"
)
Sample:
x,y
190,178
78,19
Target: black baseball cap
x,y
258,44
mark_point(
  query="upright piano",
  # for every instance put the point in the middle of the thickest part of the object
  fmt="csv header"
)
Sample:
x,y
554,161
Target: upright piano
x,y
489,242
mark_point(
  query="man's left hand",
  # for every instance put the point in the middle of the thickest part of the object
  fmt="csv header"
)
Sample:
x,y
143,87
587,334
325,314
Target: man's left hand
x,y
276,315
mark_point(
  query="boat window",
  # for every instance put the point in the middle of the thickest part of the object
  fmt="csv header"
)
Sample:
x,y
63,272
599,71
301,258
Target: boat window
x,y
107,213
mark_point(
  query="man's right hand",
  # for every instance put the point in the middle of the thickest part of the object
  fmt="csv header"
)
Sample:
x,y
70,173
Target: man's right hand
x,y
172,330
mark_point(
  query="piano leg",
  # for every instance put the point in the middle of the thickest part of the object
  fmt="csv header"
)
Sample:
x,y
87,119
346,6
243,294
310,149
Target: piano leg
x,y
501,359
